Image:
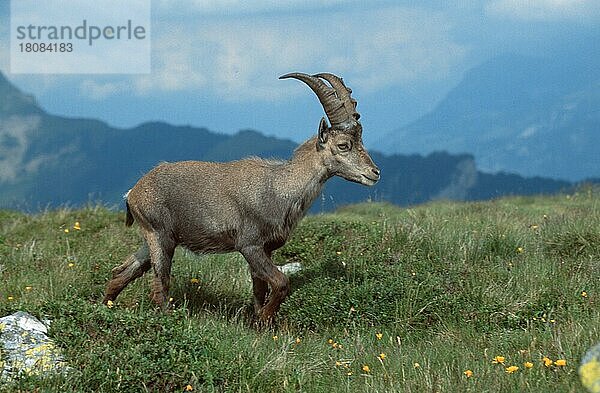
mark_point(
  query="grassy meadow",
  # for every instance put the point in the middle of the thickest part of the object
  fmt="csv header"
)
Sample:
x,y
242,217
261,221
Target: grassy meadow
x,y
444,297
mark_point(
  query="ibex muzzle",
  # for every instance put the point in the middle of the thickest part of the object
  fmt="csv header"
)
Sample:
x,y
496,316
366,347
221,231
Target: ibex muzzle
x,y
250,206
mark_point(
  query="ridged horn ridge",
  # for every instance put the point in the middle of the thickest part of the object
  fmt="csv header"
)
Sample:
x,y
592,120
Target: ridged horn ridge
x,y
343,92
339,107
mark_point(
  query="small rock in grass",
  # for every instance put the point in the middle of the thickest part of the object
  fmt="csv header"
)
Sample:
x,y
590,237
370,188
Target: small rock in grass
x,y
26,349
290,268
589,370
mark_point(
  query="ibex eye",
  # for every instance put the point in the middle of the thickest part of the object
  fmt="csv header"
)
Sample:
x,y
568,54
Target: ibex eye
x,y
344,146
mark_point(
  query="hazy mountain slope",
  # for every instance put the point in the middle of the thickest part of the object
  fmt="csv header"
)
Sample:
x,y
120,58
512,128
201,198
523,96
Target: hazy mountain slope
x,y
525,115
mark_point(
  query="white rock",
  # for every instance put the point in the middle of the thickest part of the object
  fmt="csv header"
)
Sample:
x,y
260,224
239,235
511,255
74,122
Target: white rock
x,y
589,370
290,268
25,322
26,350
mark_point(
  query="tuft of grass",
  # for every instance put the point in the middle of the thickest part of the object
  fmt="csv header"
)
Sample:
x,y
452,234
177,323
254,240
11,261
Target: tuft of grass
x,y
390,299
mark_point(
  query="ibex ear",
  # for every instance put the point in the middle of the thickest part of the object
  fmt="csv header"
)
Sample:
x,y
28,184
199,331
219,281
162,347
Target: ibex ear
x,y
323,133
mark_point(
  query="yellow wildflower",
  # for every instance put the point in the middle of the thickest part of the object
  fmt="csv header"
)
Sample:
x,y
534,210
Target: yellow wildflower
x,y
189,388
330,341
382,356
110,304
511,369
520,250
66,230
77,226
275,338
298,340
194,281
366,368
338,363
379,335
28,288
338,252
528,364
468,373
584,294
560,363
416,365
498,360
547,361
71,264
10,298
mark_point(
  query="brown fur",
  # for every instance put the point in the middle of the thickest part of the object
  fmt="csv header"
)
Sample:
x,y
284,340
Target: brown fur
x,y
250,206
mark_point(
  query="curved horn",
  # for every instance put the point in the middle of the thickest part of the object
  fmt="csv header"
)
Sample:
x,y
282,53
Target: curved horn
x,y
343,92
333,106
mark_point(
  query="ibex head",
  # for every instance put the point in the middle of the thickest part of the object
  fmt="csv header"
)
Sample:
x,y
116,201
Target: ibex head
x,y
341,142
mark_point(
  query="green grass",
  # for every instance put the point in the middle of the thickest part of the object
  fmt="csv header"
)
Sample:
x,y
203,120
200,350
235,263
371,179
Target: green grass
x,y
448,285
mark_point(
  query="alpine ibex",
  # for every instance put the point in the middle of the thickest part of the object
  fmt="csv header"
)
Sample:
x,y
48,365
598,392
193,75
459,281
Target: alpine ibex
x,y
250,206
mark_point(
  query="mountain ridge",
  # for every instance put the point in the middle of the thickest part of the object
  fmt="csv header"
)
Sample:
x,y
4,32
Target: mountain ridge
x,y
50,161
532,116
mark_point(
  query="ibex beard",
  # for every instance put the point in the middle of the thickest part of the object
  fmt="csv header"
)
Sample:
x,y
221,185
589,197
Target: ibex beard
x,y
250,206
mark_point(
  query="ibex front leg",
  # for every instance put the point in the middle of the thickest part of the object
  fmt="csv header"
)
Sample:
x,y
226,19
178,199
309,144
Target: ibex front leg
x,y
260,288
264,271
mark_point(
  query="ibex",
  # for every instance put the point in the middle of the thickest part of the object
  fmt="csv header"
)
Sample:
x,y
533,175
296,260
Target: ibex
x,y
250,206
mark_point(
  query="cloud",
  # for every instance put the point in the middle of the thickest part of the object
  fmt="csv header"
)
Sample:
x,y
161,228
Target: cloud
x,y
240,58
546,10
14,135
203,47
243,7
4,46
98,91
40,83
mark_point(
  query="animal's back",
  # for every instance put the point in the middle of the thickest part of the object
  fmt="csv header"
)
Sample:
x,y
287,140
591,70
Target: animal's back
x,y
198,202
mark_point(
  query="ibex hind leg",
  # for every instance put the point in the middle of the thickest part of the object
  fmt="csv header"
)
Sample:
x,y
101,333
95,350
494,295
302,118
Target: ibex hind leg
x,y
134,266
161,255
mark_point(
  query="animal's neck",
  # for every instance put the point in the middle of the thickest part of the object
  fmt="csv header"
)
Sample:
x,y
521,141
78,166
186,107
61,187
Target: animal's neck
x,y
302,179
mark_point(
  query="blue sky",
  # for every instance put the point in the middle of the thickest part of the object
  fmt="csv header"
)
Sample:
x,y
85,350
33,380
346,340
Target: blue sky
x,y
216,63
